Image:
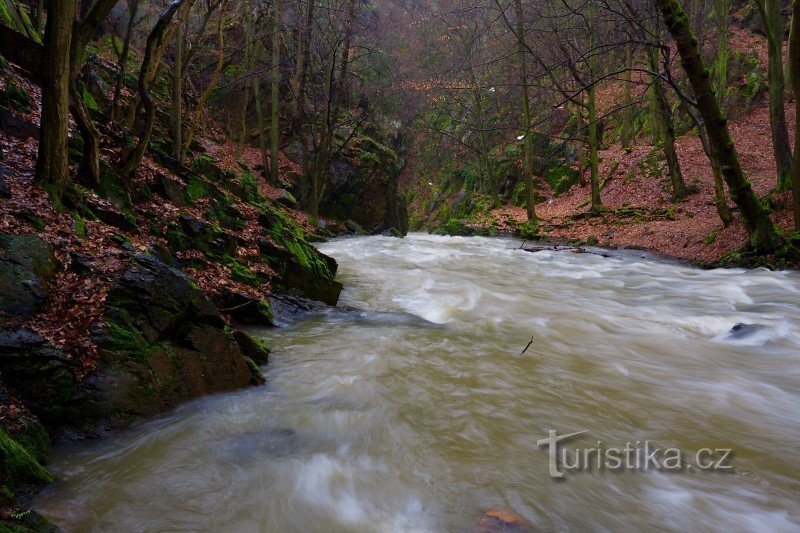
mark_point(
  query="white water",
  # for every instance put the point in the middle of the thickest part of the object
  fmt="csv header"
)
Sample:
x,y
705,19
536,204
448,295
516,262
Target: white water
x,y
421,413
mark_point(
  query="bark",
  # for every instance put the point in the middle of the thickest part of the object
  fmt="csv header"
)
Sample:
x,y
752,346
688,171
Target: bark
x,y
201,102
627,115
530,193
154,43
794,66
177,89
771,15
82,33
300,114
51,164
720,199
133,9
593,141
667,125
763,236
721,13
274,125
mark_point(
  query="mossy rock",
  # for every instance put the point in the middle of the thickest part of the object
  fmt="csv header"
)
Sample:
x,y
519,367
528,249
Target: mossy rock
x,y
27,265
19,467
455,228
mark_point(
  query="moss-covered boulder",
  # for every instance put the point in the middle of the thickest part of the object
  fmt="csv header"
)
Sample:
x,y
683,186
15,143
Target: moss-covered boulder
x,y
164,343
27,265
303,269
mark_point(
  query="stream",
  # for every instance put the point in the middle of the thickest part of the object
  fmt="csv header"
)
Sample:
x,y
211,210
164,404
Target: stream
x,y
418,411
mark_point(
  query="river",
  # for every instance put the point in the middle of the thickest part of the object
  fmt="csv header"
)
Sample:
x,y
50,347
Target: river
x,y
421,411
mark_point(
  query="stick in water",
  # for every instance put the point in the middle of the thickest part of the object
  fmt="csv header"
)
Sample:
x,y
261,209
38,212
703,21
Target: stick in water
x,y
526,348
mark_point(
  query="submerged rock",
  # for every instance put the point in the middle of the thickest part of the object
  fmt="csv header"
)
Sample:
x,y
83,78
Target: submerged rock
x,y
742,331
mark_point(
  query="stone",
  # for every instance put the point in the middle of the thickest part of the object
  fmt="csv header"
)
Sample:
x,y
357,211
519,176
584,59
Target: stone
x,y
170,189
741,331
287,199
38,374
27,265
18,127
251,347
243,308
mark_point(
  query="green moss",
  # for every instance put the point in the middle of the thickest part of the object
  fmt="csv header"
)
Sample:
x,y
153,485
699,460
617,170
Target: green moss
x,y
243,274
16,97
124,337
19,466
454,227
711,238
560,178
89,101
196,189
529,230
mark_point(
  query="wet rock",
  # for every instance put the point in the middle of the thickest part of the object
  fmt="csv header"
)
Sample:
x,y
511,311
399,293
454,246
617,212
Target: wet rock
x,y
112,216
38,374
27,265
243,308
503,520
251,347
80,263
165,342
289,309
741,331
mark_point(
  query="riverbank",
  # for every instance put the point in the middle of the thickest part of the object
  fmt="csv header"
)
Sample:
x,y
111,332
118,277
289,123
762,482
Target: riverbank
x,y
638,212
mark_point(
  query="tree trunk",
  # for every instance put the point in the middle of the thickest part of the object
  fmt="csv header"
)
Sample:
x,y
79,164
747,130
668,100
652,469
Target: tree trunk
x,y
667,124
722,14
154,42
593,141
794,66
763,236
133,9
177,90
299,89
212,84
771,15
52,169
530,193
275,80
627,100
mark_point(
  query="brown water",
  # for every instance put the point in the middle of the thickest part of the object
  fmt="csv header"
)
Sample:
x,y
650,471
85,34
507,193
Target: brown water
x,y
420,412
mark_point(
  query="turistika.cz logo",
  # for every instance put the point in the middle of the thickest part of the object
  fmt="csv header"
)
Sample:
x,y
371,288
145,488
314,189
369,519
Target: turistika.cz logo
x,y
635,456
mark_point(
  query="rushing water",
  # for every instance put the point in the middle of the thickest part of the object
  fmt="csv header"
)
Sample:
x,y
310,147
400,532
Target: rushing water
x,y
420,412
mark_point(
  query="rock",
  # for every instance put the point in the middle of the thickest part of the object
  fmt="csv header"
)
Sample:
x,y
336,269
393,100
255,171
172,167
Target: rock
x,y
106,212
503,520
741,331
165,343
27,265
208,238
286,198
289,309
38,374
80,263
170,189
15,126
243,308
251,347
5,190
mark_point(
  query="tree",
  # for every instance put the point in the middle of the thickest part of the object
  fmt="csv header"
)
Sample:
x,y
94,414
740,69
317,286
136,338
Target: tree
x,y
52,170
794,65
275,81
763,236
530,195
154,44
770,11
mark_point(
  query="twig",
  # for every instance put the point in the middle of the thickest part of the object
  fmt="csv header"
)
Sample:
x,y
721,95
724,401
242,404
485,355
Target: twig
x,y
526,348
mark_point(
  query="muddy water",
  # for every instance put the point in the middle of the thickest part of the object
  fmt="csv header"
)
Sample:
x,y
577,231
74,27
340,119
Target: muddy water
x,y
419,412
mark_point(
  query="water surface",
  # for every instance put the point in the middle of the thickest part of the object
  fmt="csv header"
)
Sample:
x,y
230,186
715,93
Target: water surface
x,y
420,412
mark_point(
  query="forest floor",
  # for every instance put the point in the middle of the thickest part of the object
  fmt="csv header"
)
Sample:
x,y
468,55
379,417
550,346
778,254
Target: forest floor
x,y
638,211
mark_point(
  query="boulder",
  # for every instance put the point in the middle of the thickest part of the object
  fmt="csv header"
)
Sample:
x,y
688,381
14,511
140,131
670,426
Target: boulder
x,y
170,188
243,308
254,348
39,375
164,343
27,265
